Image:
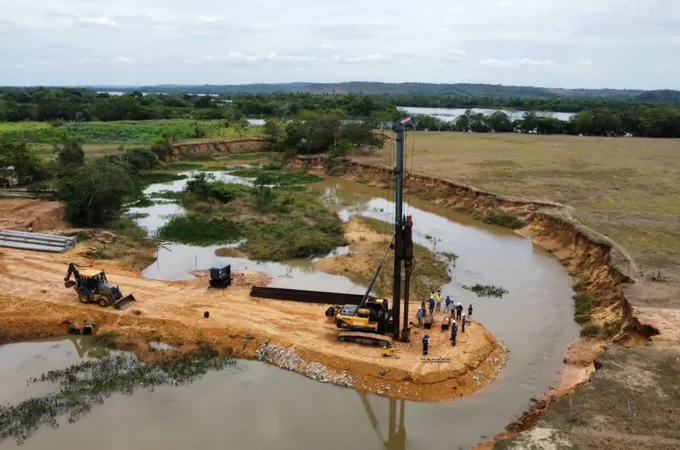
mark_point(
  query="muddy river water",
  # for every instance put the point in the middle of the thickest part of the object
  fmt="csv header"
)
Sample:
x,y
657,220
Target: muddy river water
x,y
264,407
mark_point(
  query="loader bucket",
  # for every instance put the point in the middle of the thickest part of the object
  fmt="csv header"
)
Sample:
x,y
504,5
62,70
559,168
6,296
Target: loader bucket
x,y
124,302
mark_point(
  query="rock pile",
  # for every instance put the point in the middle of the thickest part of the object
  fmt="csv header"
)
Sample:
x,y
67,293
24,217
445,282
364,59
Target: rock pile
x,y
288,359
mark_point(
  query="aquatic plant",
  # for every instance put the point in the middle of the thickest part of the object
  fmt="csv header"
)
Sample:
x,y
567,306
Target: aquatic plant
x,y
277,175
487,290
198,230
90,382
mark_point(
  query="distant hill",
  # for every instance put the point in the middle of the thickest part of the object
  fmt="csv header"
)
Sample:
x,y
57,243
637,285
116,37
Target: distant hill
x,y
425,89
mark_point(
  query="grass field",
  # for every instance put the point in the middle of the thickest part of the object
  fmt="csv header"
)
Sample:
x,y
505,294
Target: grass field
x,y
626,188
144,132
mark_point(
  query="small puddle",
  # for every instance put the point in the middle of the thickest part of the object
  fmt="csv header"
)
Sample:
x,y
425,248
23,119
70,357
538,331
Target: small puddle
x,y
268,408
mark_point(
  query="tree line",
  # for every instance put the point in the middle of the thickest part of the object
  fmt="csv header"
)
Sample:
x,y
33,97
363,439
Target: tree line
x,y
83,105
654,122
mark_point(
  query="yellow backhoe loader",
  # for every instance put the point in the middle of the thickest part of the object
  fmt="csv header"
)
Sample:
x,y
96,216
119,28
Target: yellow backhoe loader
x,y
92,287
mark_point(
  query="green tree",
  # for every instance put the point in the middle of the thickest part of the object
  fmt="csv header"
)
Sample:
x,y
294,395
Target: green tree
x,y
240,126
26,165
93,192
500,122
70,154
273,129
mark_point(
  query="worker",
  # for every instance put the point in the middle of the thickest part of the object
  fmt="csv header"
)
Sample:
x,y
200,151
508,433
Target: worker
x,y
454,333
445,323
420,315
431,305
459,311
426,342
470,314
432,295
447,303
440,300
463,321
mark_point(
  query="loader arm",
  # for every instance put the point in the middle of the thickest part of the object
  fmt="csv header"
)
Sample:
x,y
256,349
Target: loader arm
x,y
73,270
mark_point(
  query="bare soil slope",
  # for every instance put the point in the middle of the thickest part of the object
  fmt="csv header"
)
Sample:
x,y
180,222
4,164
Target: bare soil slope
x,y
25,214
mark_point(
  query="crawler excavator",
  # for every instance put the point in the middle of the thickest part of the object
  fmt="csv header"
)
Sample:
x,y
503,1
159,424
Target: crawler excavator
x,y
367,322
92,287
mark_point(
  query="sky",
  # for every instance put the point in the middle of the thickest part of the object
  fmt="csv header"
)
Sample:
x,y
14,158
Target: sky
x,y
554,43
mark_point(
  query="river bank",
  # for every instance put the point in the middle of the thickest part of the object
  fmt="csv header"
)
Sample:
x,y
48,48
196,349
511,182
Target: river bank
x,y
602,272
537,284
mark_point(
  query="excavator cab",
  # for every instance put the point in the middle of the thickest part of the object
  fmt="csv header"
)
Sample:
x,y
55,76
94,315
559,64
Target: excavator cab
x,y
92,286
366,323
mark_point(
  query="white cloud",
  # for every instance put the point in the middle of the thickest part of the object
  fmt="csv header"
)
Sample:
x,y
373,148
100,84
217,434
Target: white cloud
x,y
518,62
585,62
240,57
94,21
209,19
299,41
373,57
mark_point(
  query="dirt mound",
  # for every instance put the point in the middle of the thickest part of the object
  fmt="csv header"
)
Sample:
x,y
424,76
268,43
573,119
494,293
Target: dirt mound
x,y
25,214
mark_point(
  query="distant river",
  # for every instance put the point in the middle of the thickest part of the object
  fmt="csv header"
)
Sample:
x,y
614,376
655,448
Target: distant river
x,y
451,114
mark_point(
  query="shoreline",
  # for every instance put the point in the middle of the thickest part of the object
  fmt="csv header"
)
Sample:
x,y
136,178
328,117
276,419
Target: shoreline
x,y
597,265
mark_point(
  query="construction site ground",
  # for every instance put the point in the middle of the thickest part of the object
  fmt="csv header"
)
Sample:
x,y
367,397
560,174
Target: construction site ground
x,y
34,303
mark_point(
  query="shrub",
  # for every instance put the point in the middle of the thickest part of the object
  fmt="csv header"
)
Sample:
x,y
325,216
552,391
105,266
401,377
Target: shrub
x,y
590,330
583,305
504,220
163,148
139,159
70,154
228,192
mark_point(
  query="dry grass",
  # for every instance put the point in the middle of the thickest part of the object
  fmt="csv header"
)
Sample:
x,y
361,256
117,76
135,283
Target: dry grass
x,y
595,416
626,188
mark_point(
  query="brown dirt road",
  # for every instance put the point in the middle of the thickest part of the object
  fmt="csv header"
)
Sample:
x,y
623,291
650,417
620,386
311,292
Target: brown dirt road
x,y
34,303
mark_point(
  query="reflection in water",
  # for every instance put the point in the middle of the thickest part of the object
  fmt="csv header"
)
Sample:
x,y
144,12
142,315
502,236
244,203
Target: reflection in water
x,y
87,349
396,437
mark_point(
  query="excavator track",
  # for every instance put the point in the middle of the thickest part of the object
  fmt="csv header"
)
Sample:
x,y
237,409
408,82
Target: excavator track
x,y
358,337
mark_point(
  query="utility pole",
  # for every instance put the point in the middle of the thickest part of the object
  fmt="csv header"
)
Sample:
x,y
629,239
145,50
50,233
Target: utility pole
x,y
402,229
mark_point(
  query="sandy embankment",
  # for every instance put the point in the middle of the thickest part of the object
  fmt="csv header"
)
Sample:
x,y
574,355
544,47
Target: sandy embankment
x,y
34,304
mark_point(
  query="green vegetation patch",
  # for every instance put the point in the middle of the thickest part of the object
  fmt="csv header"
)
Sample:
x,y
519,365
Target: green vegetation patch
x,y
246,156
182,166
200,158
199,230
504,220
591,330
277,176
278,223
89,383
583,306
286,224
